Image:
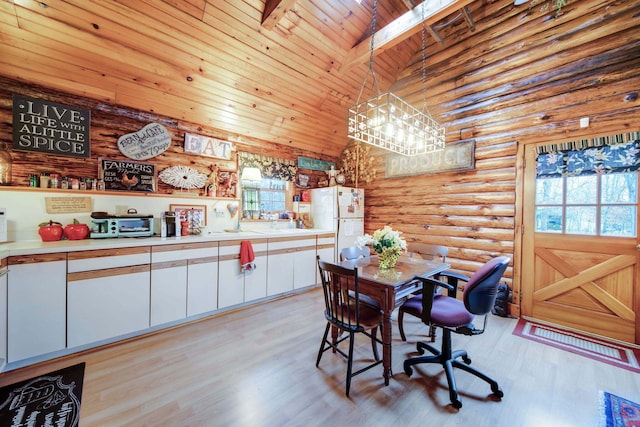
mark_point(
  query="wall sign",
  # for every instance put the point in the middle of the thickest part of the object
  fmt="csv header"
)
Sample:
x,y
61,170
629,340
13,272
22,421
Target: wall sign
x,y
129,176
57,205
150,141
455,156
49,127
314,164
208,147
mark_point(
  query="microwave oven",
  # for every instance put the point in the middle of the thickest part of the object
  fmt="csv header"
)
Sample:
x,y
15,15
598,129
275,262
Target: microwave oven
x,y
108,226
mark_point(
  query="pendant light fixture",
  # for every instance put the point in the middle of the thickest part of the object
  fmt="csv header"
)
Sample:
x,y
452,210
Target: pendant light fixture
x,y
387,121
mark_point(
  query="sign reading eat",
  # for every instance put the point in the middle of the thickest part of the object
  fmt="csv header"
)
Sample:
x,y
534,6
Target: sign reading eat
x,y
205,146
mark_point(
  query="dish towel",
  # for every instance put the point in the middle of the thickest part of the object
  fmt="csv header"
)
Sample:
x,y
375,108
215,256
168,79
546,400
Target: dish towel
x,y
246,256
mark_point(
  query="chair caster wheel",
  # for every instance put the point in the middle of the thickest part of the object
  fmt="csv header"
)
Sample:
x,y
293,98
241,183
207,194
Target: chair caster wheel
x,y
408,370
497,392
456,404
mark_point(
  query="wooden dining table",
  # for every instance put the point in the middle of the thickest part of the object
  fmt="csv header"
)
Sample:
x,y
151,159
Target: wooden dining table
x,y
390,288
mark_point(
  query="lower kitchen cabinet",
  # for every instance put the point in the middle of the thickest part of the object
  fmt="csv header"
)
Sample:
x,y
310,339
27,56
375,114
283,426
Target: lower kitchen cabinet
x,y
104,303
236,286
292,264
304,263
36,305
202,284
326,248
168,291
184,281
3,312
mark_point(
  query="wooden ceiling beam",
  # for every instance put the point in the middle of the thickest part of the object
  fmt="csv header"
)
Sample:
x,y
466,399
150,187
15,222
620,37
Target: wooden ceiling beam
x,y
410,4
466,13
274,11
402,28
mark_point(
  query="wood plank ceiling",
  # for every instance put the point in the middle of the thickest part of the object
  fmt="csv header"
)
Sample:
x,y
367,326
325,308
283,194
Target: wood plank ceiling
x,y
285,71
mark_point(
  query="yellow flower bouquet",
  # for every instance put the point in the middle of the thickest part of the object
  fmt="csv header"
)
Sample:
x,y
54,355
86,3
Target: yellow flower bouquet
x,y
387,243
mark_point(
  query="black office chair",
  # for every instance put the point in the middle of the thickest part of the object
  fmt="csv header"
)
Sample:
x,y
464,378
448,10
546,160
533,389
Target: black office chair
x,y
452,315
346,314
413,306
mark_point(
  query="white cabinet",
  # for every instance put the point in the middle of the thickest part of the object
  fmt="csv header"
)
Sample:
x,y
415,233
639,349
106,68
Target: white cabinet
x,y
108,294
291,263
326,247
304,263
168,291
184,281
36,299
202,285
234,285
3,312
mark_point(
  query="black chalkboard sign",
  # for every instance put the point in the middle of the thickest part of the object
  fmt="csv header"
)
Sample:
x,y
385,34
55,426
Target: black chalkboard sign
x,y
128,176
49,127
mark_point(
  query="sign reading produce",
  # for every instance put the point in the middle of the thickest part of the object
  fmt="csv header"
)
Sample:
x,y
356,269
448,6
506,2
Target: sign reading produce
x,y
49,127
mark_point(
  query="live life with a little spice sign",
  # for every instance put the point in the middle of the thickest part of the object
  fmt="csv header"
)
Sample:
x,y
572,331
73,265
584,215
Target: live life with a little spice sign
x,y
49,127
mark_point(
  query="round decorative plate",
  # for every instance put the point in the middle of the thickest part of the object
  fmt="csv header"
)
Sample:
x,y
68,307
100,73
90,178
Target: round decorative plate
x,y
340,178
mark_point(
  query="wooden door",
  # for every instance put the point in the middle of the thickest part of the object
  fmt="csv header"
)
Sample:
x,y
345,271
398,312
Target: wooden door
x,y
588,283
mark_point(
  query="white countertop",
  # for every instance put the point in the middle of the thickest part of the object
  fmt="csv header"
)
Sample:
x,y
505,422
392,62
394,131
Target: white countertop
x,y
40,247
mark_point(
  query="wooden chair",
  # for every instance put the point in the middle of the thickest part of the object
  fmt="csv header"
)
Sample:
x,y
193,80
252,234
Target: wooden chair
x,y
355,252
346,314
427,252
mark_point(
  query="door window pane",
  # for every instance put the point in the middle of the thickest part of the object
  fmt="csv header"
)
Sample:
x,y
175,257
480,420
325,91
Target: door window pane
x,y
581,220
549,191
618,221
620,188
582,189
549,219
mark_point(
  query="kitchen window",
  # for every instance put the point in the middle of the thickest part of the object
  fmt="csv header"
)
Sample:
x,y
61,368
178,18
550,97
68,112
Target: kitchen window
x,y
266,199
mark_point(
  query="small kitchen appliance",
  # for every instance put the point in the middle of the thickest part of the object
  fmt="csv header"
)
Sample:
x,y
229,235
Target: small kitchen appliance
x,y
132,224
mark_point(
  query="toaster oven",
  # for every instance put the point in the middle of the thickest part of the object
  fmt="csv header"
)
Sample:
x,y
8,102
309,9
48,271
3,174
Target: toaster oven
x,y
107,226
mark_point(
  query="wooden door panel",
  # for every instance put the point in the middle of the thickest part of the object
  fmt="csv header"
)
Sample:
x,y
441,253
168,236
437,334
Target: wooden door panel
x,y
584,288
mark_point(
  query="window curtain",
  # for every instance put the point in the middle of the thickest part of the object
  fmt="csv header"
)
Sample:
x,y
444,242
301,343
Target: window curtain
x,y
618,153
270,167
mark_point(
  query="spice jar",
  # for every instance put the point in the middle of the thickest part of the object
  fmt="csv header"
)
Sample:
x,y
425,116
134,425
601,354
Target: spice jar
x,y
185,228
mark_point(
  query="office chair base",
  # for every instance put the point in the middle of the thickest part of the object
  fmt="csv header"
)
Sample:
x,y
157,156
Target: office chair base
x,y
448,362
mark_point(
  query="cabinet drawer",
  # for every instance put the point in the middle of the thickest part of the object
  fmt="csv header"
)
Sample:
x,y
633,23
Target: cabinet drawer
x,y
108,258
231,249
184,251
290,243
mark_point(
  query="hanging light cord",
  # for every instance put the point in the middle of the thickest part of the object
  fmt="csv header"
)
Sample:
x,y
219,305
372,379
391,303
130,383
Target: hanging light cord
x,y
370,69
424,67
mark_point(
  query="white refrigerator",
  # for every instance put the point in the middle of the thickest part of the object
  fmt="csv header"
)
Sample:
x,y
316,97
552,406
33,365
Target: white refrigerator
x,y
340,209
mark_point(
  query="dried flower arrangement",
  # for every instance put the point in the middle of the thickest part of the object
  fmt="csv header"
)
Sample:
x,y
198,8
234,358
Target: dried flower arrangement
x,y
357,163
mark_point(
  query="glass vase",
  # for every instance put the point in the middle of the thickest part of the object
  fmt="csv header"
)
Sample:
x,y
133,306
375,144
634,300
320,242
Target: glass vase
x,y
388,258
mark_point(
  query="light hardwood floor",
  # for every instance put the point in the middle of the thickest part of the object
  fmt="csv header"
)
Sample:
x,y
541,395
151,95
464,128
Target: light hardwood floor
x,y
256,367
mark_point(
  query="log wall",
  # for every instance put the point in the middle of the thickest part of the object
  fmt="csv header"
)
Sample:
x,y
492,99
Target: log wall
x,y
108,123
523,77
